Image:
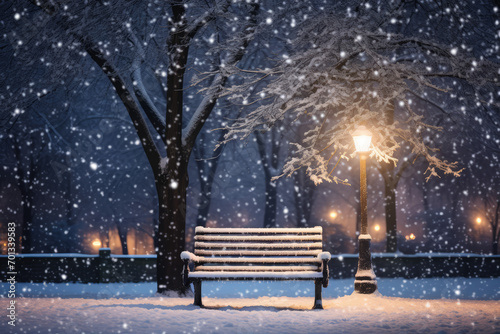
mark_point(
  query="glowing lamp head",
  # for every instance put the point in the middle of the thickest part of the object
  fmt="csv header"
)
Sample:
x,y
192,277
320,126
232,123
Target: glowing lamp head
x,y
376,227
479,220
333,215
96,243
362,139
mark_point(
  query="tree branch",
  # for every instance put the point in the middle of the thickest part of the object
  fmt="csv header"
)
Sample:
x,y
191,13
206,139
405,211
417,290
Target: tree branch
x,y
140,92
204,109
133,110
216,10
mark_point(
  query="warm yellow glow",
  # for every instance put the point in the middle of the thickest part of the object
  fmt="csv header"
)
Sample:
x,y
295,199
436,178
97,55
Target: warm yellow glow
x,y
362,139
96,243
333,214
410,237
376,227
479,220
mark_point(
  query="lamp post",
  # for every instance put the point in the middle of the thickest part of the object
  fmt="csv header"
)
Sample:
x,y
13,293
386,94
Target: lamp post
x,y
365,279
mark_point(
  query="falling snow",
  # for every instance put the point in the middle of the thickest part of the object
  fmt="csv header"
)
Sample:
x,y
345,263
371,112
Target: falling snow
x,y
168,117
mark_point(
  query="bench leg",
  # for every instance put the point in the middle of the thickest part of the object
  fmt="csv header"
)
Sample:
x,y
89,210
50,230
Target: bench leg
x,y
318,300
197,293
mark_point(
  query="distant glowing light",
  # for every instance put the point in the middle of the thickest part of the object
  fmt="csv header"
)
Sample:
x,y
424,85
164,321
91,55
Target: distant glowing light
x,y
479,220
93,166
410,237
333,214
96,243
376,227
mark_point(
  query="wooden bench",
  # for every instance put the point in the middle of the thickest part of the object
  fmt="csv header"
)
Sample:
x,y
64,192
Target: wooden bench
x,y
257,254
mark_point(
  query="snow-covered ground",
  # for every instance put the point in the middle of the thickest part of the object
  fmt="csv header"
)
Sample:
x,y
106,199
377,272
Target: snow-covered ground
x,y
441,305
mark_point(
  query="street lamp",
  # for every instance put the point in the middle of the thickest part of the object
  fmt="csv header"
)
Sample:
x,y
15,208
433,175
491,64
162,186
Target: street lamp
x,y
365,279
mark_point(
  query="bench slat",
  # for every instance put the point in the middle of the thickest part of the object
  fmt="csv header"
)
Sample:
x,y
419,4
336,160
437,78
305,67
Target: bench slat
x,y
257,253
257,275
258,268
258,237
298,231
259,260
306,245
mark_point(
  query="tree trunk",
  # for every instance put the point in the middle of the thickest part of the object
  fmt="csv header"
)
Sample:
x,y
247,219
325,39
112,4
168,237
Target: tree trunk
x,y
172,188
122,234
205,191
26,179
26,244
268,163
206,175
205,198
203,207
155,227
390,183
172,179
206,185
304,196
390,211
494,229
300,204
271,199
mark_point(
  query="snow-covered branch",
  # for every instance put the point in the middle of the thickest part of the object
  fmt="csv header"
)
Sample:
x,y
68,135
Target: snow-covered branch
x,y
345,74
213,92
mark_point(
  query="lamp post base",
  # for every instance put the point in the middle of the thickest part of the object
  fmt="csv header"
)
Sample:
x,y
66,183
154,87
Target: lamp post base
x,y
365,279
365,287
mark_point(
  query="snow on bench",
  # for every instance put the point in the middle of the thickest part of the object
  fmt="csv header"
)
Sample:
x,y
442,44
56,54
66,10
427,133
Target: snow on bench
x,y
257,254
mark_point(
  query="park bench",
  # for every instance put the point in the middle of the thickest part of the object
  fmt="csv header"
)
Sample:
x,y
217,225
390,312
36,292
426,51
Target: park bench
x,y
257,254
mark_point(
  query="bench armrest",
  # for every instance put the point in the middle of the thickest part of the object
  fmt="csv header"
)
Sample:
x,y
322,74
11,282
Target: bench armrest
x,y
187,257
325,257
